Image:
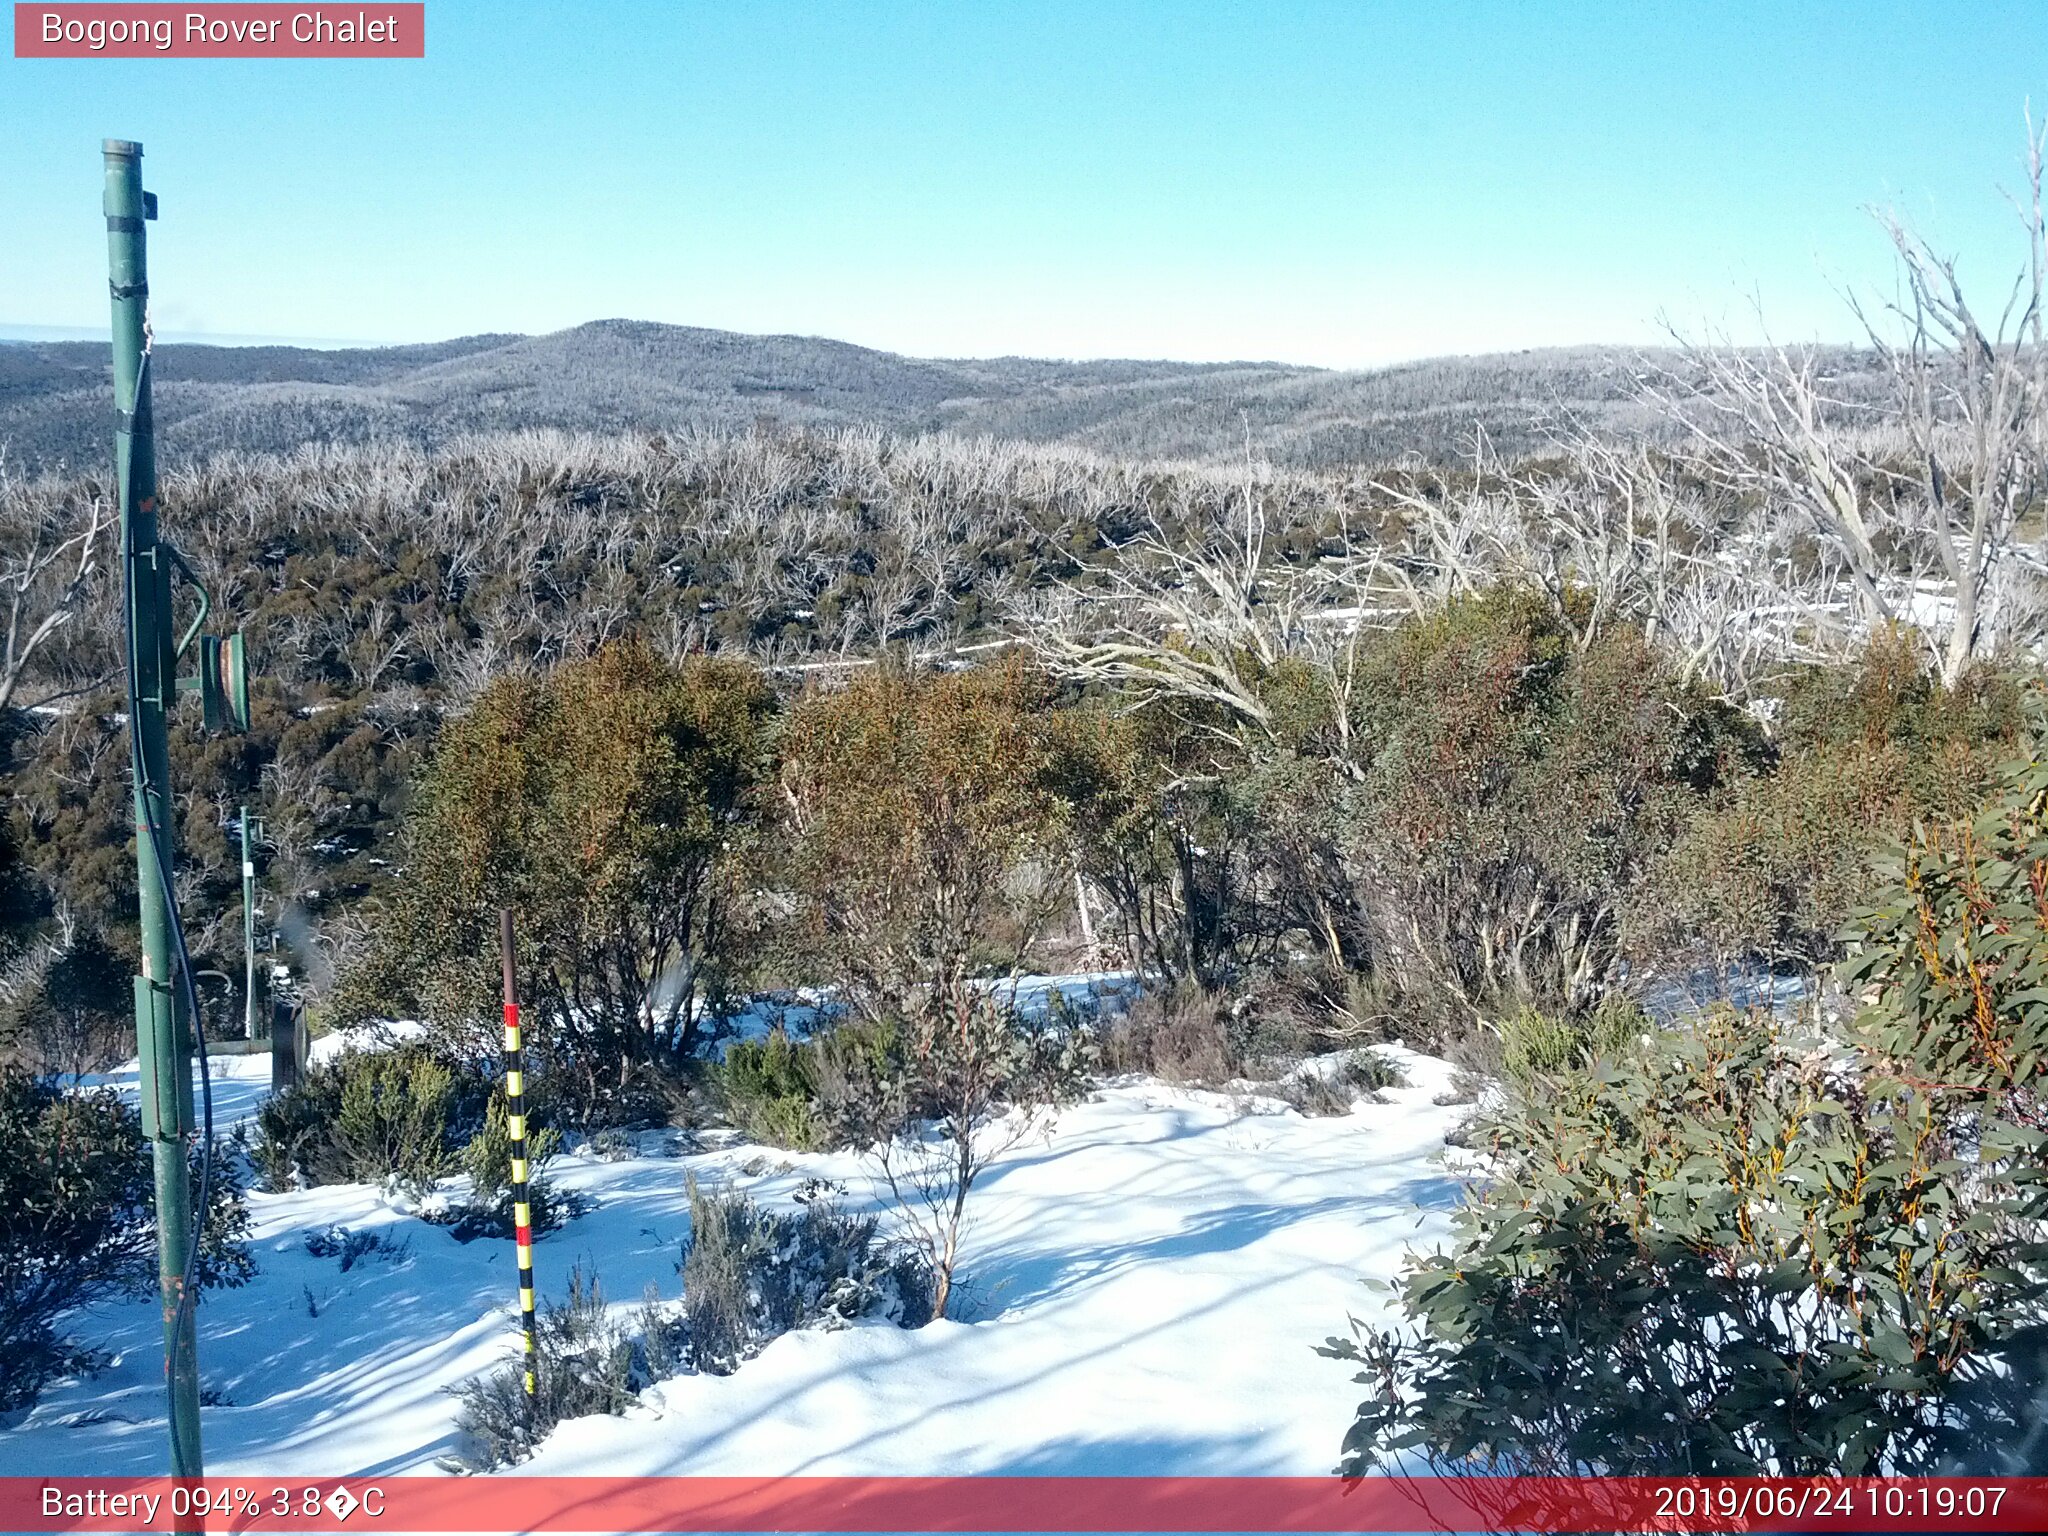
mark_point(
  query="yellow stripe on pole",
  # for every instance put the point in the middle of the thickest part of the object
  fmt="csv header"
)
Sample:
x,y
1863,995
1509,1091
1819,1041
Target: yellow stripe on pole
x,y
522,1214
525,1255
526,1298
516,1126
518,1170
515,1084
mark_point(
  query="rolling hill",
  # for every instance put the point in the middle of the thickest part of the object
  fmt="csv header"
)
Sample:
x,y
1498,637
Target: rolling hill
x,y
625,375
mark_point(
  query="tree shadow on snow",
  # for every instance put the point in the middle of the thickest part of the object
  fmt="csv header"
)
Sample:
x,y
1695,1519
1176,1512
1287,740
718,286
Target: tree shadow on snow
x,y
1022,1280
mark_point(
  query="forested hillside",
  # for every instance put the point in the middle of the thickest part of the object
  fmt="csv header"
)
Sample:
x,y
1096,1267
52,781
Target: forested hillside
x,y
617,375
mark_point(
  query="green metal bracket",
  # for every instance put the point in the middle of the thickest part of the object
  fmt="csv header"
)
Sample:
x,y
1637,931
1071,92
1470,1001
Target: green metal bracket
x,y
167,1098
205,600
222,681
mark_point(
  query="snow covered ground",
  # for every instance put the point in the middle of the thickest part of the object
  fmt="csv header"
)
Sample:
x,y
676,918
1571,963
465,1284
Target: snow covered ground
x,y
1144,1289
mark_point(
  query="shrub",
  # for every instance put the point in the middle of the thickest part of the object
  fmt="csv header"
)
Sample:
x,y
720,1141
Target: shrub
x,y
1952,952
1371,1071
487,1157
1953,949
1317,1097
1359,1074
923,835
1735,1252
349,1247
664,1336
919,818
393,1117
1177,1032
1778,866
1309,1007
77,1222
585,1364
856,1081
1534,1044
224,1260
490,1210
751,1275
1171,836
1056,1059
1518,780
863,1080
968,1083
68,1006
370,1115
768,1088
614,1144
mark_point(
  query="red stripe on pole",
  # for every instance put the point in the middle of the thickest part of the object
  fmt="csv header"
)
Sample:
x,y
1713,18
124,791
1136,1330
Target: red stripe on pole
x,y
261,1502
522,1233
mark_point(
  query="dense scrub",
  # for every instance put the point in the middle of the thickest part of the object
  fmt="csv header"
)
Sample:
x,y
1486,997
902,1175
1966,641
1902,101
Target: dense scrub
x,y
383,589
407,1115
386,590
1471,762
1496,813
1751,1245
1453,817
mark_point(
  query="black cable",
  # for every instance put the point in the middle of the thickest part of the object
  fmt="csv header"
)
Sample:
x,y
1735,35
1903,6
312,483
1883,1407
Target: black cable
x,y
182,958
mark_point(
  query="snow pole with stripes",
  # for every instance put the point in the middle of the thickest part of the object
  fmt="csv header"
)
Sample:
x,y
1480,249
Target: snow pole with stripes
x,y
515,1130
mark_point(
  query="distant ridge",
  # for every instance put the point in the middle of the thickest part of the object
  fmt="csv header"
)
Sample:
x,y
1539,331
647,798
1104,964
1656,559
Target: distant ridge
x,y
613,375
98,333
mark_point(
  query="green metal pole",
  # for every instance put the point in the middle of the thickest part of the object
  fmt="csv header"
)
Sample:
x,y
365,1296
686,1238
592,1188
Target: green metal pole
x,y
162,1033
249,1010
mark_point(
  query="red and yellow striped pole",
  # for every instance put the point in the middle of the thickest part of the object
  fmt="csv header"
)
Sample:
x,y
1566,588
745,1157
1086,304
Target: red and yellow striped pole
x,y
515,1129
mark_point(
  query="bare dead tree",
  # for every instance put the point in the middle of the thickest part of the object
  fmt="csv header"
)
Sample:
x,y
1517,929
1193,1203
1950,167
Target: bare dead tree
x,y
47,565
1969,402
370,642
1973,398
1760,423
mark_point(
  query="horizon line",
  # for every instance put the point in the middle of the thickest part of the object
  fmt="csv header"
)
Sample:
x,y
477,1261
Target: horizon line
x,y
24,333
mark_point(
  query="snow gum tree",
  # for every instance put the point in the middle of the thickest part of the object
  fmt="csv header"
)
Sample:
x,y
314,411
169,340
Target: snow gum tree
x,y
922,841
605,803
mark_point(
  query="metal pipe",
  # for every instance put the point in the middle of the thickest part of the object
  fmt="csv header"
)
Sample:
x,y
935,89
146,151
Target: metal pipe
x,y
249,1009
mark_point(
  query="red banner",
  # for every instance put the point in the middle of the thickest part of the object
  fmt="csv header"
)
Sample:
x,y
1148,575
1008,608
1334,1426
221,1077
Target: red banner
x,y
102,31
1049,1504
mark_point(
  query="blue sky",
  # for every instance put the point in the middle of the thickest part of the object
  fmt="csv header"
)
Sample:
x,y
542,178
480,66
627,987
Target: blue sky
x,y
1344,184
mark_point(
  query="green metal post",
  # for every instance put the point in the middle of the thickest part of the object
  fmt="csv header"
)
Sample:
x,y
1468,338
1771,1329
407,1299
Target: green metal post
x,y
162,1032
249,1009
